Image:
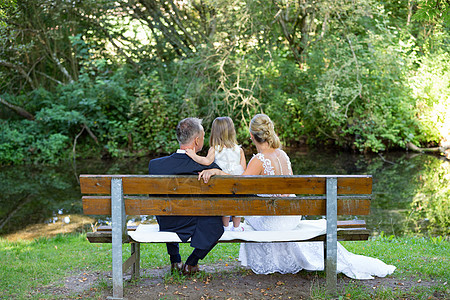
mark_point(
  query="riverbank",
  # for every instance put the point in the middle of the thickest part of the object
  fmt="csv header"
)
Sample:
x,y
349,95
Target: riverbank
x,y
68,267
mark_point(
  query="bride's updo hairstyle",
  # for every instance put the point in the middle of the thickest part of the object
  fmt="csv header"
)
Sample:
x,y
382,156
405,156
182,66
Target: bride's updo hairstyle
x,y
261,126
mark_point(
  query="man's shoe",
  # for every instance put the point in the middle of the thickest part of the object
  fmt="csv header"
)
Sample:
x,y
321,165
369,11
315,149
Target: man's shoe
x,y
189,270
176,267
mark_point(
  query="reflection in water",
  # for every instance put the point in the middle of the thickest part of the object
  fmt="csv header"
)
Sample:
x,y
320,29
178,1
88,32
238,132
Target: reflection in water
x,y
410,193
430,206
31,194
38,194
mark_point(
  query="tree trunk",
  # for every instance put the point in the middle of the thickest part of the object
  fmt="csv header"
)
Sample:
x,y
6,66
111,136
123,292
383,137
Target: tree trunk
x,y
19,110
413,147
20,70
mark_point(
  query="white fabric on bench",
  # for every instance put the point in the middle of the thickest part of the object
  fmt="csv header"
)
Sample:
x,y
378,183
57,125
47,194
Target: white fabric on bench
x,y
307,229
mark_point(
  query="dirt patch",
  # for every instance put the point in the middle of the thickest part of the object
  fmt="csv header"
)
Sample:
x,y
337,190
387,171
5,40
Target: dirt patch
x,y
218,281
71,287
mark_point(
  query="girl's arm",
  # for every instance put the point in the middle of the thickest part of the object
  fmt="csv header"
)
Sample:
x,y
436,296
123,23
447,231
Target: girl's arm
x,y
206,161
243,161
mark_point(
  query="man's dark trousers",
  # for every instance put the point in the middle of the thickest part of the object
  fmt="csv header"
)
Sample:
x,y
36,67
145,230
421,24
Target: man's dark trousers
x,y
204,231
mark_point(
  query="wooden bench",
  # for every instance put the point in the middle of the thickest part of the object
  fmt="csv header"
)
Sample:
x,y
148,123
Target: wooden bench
x,y
316,195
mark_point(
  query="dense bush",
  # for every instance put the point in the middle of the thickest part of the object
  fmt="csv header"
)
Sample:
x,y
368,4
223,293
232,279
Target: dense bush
x,y
99,81
25,141
128,113
125,115
430,86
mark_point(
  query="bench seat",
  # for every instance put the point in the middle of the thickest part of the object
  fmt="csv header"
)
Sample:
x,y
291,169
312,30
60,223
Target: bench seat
x,y
353,230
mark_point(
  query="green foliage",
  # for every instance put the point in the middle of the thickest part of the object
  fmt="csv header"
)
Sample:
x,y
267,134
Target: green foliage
x,y
13,143
362,75
385,238
154,117
47,43
359,100
433,11
430,85
125,114
5,7
23,141
437,240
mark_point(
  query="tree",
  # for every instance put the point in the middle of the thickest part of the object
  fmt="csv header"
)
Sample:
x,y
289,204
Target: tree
x,y
433,11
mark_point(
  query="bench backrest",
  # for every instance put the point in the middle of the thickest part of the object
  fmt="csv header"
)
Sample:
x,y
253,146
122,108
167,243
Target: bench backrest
x,y
227,195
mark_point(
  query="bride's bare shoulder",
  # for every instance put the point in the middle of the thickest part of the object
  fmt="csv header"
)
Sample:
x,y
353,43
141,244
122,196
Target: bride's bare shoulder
x,y
257,159
279,153
254,166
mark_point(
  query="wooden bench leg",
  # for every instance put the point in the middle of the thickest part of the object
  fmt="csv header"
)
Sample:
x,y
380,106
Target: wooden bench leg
x,y
136,250
331,241
118,221
133,261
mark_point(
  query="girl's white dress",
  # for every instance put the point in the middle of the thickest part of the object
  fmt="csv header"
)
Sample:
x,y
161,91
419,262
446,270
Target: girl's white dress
x,y
229,160
266,258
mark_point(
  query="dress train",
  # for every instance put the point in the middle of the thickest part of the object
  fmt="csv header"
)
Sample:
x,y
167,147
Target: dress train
x,y
292,257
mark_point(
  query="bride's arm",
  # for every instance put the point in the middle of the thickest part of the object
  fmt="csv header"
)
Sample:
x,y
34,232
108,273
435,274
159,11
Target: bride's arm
x,y
207,174
254,168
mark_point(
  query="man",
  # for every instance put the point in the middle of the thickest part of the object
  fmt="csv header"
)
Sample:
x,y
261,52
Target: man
x,y
203,231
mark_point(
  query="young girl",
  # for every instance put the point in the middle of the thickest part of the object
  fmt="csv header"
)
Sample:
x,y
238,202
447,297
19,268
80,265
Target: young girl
x,y
225,152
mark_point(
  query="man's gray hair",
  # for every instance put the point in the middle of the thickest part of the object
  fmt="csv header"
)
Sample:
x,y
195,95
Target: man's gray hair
x,y
188,129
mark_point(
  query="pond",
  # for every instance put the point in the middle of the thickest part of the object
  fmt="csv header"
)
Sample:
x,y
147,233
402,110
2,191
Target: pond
x,y
411,191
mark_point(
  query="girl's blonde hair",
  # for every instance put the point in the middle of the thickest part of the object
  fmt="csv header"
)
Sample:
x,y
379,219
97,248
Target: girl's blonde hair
x,y
223,133
261,126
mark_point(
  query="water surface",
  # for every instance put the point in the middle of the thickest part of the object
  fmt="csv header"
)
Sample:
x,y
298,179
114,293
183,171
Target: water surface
x,y
410,191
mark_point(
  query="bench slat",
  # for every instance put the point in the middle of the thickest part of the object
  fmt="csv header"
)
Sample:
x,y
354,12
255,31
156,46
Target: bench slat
x,y
342,235
296,184
219,206
351,224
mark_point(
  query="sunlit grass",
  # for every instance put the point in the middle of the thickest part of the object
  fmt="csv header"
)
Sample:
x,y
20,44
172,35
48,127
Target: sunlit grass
x,y
27,266
420,257
47,260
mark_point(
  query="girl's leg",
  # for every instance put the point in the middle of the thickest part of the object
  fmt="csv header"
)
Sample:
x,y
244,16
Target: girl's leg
x,y
226,221
236,221
237,224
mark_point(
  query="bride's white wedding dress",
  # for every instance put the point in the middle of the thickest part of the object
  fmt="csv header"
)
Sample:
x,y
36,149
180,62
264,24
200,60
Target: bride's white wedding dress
x,y
266,258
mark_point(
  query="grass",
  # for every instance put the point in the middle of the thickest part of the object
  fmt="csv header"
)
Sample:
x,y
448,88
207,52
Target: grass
x,y
414,257
28,266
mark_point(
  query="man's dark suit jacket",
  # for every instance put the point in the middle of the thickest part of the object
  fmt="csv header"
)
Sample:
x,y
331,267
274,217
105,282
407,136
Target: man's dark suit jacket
x,y
203,231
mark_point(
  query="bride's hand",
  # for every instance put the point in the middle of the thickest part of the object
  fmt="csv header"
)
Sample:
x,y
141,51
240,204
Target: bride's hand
x,y
207,174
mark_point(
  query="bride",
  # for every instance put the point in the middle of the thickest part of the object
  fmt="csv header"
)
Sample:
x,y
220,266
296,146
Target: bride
x,y
266,258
